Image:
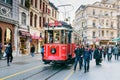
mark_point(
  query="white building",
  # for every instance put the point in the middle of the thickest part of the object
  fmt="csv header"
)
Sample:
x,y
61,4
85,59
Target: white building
x,y
97,22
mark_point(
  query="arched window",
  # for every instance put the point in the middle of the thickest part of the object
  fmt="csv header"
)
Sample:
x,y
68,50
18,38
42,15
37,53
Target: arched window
x,y
35,21
7,36
31,19
23,18
0,35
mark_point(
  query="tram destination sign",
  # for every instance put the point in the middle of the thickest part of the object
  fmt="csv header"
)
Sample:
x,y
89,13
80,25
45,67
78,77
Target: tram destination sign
x,y
55,23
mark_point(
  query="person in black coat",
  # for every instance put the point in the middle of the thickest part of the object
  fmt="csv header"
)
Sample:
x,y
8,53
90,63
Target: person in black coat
x,y
97,56
32,50
9,51
78,53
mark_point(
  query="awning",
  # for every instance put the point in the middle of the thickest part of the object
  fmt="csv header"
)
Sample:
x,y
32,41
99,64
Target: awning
x,y
36,37
24,33
116,39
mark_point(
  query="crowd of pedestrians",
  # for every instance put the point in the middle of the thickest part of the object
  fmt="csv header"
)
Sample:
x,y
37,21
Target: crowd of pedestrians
x,y
85,53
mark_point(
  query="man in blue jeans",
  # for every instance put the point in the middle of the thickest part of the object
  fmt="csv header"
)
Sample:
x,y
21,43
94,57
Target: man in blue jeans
x,y
78,58
87,57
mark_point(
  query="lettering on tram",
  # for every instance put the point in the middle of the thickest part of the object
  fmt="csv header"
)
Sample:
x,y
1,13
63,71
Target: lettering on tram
x,y
58,47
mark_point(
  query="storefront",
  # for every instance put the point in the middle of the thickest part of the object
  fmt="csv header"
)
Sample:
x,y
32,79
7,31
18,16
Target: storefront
x,y
106,42
24,42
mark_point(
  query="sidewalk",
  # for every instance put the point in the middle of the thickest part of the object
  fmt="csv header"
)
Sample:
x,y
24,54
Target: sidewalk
x,y
20,59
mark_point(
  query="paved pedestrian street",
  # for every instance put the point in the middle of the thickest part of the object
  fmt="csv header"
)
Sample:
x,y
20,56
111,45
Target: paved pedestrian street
x,y
32,68
105,71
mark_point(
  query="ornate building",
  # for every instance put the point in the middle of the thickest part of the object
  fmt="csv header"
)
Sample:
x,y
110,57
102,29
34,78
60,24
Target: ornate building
x,y
9,22
98,23
41,12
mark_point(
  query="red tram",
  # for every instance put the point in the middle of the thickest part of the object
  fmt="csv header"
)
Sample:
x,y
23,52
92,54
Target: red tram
x,y
58,47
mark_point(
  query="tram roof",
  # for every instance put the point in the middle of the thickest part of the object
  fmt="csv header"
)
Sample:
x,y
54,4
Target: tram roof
x,y
63,24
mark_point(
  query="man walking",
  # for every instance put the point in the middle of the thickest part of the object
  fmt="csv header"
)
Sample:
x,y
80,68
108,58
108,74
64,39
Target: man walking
x,y
86,56
116,50
32,50
109,54
78,53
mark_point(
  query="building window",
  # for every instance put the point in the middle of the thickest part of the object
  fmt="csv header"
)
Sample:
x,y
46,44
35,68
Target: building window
x,y
102,33
35,21
31,2
23,18
82,14
94,23
52,12
40,4
31,19
23,2
43,6
44,21
39,21
107,33
111,34
93,12
46,8
107,22
82,24
112,24
7,1
111,14
93,34
36,3
7,35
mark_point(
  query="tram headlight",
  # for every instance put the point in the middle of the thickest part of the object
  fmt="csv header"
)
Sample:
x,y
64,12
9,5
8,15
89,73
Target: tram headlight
x,y
53,50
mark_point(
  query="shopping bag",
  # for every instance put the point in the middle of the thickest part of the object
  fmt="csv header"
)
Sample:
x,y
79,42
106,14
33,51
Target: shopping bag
x,y
4,55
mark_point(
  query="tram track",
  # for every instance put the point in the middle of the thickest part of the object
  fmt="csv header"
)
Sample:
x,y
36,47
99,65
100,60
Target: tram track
x,y
44,71
50,76
35,74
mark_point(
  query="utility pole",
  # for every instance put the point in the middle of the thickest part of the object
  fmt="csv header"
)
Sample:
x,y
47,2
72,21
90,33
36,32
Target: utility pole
x,y
65,11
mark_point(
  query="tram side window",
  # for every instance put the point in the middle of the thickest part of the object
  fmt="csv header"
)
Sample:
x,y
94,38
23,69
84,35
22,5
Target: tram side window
x,y
57,36
50,36
62,37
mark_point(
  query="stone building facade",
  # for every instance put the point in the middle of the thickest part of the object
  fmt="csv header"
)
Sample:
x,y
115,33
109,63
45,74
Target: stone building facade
x,y
40,13
98,23
9,23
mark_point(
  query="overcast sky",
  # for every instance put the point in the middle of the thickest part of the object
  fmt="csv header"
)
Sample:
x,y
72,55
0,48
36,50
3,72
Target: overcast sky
x,y
74,3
